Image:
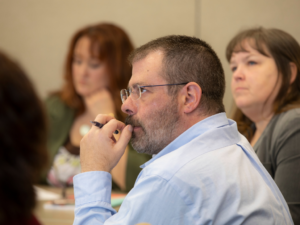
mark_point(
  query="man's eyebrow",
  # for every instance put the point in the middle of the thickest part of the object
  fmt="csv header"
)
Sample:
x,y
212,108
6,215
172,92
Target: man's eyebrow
x,y
132,86
137,84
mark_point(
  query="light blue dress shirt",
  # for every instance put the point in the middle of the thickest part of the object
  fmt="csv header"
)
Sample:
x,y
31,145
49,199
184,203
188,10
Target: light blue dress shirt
x,y
208,175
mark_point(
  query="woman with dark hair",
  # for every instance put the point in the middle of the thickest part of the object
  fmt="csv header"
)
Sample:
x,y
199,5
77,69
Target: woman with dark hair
x,y
265,84
23,151
96,70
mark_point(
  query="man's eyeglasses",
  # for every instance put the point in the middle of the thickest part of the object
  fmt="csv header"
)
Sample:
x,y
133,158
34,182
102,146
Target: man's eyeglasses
x,y
137,91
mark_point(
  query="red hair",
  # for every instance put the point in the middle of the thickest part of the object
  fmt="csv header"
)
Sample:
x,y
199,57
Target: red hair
x,y
113,46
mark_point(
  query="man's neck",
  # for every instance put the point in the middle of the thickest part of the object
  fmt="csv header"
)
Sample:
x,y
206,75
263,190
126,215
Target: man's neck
x,y
186,122
191,119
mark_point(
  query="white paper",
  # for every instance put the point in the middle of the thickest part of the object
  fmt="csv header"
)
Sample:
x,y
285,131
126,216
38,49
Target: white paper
x,y
43,194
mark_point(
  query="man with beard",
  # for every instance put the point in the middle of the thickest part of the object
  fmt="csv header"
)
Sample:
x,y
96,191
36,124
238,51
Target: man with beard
x,y
202,170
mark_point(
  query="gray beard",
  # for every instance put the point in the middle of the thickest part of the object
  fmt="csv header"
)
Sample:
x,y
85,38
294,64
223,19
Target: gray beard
x,y
159,133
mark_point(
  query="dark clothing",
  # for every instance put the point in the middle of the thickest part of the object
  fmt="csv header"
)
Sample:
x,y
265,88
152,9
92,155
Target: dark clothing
x,y
31,221
278,149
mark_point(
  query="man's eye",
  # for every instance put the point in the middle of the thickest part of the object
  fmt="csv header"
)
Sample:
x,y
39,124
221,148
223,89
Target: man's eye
x,y
143,90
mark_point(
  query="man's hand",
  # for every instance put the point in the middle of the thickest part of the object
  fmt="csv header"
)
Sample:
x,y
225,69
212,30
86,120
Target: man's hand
x,y
99,150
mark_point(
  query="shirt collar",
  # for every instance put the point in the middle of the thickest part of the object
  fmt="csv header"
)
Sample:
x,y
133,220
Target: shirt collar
x,y
215,121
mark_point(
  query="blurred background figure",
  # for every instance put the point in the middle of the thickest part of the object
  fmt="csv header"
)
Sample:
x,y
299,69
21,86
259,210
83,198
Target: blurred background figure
x,y
96,69
265,85
23,151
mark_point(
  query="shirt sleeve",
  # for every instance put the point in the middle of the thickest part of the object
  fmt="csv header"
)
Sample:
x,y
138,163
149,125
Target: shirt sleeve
x,y
153,200
92,192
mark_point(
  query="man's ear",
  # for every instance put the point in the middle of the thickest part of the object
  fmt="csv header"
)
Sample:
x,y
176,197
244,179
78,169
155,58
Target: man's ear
x,y
191,96
294,71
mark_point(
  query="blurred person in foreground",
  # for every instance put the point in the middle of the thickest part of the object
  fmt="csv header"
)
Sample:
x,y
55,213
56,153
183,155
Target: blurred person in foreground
x,y
265,84
23,151
203,171
96,69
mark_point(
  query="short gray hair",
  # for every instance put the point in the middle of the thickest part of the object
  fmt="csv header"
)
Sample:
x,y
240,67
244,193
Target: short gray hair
x,y
189,59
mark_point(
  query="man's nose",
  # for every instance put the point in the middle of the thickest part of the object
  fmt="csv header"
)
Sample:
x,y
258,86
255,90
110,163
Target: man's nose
x,y
129,107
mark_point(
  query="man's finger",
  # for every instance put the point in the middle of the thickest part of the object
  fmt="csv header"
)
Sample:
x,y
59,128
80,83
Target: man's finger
x,y
113,125
103,118
124,137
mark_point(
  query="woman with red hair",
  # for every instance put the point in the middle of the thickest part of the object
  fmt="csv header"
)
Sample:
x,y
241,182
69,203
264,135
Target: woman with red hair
x,y
96,70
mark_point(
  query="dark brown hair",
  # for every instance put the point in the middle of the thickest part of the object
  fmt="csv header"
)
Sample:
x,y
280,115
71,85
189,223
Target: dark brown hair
x,y
188,59
23,151
113,47
283,48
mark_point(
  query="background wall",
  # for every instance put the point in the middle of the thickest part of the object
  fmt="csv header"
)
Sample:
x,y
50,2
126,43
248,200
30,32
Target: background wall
x,y
37,33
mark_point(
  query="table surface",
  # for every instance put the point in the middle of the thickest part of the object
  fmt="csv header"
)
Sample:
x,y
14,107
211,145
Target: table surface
x,y
54,216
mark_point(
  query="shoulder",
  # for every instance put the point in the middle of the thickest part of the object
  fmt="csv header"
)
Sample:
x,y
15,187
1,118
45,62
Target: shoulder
x,y
286,121
289,116
187,164
56,107
283,133
54,100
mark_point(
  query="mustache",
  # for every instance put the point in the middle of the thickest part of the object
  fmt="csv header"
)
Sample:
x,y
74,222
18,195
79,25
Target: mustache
x,y
133,122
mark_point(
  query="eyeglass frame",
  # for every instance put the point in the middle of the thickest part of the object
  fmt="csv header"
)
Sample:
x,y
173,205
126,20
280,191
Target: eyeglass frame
x,y
139,87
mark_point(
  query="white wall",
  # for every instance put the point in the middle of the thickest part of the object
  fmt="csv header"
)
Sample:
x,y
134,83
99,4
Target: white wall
x,y
37,33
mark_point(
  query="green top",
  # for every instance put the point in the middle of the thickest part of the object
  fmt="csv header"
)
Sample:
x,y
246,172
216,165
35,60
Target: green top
x,y
60,119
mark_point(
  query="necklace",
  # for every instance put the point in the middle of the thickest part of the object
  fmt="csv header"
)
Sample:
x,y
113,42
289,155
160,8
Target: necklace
x,y
84,129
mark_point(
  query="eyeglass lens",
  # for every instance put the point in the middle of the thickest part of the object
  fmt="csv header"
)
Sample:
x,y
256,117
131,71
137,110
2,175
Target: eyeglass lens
x,y
134,92
124,95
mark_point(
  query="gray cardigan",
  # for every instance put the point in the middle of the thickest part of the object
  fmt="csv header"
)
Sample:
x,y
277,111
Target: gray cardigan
x,y
278,148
